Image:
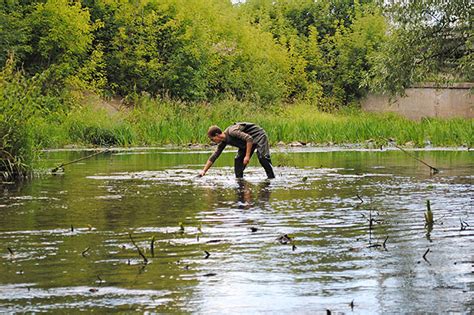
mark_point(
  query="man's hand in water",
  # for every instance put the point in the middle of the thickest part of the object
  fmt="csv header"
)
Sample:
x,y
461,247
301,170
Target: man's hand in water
x,y
201,173
246,160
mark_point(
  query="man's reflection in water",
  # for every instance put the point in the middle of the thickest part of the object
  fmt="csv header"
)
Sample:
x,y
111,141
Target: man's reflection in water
x,y
249,195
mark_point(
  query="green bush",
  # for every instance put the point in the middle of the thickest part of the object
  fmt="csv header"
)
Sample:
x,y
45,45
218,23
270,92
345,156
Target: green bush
x,y
19,102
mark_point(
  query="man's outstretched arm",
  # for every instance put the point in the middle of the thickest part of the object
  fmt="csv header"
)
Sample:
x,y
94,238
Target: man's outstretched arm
x,y
212,159
206,167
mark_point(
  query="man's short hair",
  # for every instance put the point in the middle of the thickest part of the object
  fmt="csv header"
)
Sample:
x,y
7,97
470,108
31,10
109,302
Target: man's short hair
x,y
213,131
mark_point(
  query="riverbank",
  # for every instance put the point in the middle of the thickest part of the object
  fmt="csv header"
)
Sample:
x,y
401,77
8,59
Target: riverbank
x,y
279,148
157,123
153,122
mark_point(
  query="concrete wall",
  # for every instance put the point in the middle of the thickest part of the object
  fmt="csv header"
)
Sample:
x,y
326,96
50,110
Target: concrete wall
x,y
426,101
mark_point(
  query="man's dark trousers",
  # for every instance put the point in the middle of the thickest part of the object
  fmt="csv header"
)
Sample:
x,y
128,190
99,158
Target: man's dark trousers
x,y
263,154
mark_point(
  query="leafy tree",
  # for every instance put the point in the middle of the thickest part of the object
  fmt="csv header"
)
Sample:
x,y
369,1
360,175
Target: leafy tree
x,y
355,45
328,43
428,40
167,48
60,40
15,34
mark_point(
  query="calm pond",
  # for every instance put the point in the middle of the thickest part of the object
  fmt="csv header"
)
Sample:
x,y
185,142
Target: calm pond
x,y
219,244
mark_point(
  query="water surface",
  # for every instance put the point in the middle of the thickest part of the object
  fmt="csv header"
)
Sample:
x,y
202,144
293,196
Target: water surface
x,y
355,220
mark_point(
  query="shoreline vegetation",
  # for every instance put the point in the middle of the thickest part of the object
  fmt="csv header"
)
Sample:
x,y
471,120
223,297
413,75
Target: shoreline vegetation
x,y
152,122
158,123
297,68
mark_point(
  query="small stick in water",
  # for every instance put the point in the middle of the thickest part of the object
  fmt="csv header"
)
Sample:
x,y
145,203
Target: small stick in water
x,y
11,251
384,242
207,254
433,170
361,200
145,260
85,251
371,221
152,246
428,214
424,255
72,228
54,170
464,224
211,274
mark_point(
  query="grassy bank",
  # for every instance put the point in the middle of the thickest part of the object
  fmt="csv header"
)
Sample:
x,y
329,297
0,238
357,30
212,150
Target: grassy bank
x,y
153,122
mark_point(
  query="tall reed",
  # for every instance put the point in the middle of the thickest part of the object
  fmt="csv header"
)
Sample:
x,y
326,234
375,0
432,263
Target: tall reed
x,y
158,122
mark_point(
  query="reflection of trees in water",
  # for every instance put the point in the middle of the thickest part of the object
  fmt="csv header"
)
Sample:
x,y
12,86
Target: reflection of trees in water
x,y
249,194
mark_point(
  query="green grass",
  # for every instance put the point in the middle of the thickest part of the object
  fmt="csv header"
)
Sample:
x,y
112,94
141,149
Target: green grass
x,y
153,122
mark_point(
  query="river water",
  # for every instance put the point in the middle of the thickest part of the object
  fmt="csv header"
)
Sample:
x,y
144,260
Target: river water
x,y
336,230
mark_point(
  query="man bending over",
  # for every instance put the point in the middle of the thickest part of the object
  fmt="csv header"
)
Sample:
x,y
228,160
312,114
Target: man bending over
x,y
247,137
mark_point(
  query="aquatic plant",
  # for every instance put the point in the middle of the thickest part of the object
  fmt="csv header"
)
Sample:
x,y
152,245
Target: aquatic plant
x,y
428,214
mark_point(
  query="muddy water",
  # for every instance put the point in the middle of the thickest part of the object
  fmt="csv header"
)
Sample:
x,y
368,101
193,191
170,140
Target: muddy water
x,y
219,244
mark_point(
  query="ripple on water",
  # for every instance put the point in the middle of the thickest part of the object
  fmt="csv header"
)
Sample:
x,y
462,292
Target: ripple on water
x,y
78,297
229,257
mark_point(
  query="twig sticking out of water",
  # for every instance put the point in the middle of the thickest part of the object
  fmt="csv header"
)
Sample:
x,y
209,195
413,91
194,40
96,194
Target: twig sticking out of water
x,y
424,255
85,251
285,239
11,251
152,246
361,200
352,305
145,260
207,254
428,214
72,228
54,170
433,170
384,242
374,245
371,221
100,279
464,224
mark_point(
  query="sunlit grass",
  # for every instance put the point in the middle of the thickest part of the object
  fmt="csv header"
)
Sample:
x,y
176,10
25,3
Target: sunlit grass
x,y
153,122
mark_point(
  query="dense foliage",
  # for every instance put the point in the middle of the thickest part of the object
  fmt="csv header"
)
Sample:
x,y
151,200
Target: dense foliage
x,y
430,40
191,50
21,102
329,51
